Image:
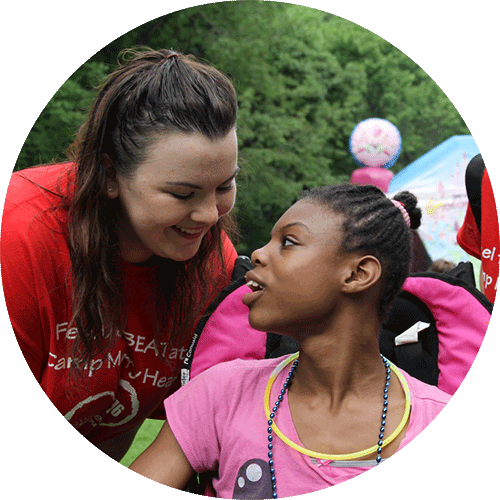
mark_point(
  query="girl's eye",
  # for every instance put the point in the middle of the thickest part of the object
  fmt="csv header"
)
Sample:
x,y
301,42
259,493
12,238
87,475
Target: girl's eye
x,y
287,242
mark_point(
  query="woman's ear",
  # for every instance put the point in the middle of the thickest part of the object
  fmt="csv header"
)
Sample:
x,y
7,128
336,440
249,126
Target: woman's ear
x,y
111,183
365,272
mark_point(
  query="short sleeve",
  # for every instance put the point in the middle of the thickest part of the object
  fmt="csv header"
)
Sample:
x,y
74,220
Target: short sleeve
x,y
19,284
34,268
468,236
192,414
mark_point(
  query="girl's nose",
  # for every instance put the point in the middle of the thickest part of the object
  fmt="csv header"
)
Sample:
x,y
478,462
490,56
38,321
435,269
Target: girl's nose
x,y
259,257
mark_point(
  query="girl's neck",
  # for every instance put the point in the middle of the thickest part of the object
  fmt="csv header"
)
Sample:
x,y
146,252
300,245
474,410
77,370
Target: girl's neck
x,y
342,362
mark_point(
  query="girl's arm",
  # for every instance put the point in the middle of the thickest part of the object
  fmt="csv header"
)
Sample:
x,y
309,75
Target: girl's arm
x,y
164,461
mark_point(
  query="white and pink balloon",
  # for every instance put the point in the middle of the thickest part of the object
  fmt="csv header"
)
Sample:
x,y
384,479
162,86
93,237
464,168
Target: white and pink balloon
x,y
375,144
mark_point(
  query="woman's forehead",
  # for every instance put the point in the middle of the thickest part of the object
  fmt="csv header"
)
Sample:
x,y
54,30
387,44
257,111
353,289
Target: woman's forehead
x,y
180,157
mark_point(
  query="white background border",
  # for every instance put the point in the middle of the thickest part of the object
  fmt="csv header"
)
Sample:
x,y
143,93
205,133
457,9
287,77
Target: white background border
x,y
44,42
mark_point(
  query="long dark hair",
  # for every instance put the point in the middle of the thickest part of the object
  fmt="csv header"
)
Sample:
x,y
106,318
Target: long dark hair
x,y
151,93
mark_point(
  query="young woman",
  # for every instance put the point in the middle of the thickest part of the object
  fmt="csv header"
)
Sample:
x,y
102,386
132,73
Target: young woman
x,y
109,260
300,423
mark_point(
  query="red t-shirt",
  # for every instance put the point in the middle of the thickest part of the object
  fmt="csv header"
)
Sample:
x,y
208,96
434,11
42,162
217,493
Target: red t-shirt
x,y
484,245
120,389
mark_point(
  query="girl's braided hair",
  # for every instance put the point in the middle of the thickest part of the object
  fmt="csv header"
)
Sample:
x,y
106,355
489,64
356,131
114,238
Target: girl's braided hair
x,y
373,224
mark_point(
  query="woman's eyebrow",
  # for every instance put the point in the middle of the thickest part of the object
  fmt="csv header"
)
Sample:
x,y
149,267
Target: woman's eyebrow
x,y
196,186
236,172
183,184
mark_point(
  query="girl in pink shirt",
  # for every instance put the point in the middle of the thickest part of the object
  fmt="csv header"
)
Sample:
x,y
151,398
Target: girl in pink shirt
x,y
297,424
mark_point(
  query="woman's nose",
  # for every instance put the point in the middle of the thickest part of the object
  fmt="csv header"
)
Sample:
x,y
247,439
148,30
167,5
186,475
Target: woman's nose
x,y
206,212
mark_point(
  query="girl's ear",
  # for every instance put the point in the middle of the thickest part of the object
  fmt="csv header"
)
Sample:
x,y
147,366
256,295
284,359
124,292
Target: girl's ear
x,y
111,183
365,272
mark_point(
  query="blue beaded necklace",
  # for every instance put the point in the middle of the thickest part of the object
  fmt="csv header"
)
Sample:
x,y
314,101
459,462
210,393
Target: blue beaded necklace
x,y
274,411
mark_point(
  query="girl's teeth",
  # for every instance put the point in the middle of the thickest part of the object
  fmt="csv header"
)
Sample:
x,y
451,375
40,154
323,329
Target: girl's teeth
x,y
254,285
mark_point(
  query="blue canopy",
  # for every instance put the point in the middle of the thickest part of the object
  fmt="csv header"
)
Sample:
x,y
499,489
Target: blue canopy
x,y
437,179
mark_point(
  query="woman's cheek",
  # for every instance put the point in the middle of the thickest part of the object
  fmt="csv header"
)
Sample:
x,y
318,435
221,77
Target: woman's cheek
x,y
227,205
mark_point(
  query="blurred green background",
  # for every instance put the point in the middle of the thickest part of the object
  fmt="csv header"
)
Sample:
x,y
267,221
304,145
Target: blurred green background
x,y
144,437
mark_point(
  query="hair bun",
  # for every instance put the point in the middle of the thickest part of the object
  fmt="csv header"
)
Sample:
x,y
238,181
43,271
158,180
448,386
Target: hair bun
x,y
410,201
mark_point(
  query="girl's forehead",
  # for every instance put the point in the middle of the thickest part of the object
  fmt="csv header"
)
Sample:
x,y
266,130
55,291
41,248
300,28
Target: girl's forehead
x,y
314,215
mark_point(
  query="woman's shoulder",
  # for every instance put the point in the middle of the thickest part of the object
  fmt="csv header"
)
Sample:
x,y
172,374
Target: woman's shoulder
x,y
41,181
33,191
35,209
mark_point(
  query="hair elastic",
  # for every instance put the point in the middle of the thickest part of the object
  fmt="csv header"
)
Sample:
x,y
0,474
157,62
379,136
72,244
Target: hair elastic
x,y
403,211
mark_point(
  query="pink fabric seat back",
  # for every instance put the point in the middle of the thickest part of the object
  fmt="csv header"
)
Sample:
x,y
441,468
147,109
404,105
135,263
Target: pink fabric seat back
x,y
461,321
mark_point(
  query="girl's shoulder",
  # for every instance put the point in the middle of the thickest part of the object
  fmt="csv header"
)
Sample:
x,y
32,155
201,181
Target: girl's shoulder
x,y
242,368
425,398
427,401
235,376
224,385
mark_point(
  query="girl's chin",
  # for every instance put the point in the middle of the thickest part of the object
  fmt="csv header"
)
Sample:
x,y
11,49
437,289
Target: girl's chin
x,y
259,325
267,325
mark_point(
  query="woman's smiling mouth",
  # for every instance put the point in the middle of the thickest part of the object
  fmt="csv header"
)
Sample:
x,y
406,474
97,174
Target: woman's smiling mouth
x,y
188,232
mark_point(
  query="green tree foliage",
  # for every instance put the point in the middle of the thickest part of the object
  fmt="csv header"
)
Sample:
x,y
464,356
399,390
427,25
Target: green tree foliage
x,y
304,78
59,121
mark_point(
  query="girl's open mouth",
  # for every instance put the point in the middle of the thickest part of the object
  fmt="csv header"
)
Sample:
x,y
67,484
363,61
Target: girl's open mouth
x,y
257,291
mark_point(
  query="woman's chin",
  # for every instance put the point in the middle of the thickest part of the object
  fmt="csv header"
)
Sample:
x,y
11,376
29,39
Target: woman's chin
x,y
178,254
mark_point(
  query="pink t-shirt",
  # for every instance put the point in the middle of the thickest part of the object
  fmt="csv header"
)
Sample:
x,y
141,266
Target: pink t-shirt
x,y
219,421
